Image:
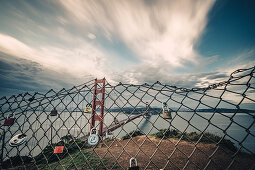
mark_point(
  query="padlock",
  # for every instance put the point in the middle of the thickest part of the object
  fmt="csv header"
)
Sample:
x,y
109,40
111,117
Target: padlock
x,y
18,140
9,121
167,114
54,112
58,149
31,99
93,138
136,167
88,108
166,111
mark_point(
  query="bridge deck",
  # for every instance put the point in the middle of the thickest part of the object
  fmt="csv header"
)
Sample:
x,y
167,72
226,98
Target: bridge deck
x,y
121,123
117,125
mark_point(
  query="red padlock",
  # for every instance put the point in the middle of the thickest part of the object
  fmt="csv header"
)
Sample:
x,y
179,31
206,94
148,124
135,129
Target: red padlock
x,y
58,149
9,121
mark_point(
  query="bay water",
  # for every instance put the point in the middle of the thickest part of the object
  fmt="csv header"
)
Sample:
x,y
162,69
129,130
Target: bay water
x,y
41,129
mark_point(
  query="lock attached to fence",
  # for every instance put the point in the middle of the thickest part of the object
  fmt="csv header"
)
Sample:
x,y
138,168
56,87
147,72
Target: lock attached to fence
x,y
166,111
54,112
9,121
58,149
93,137
133,161
18,140
88,108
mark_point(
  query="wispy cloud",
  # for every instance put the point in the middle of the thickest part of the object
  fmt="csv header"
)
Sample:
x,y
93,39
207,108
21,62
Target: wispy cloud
x,y
19,75
244,59
156,31
131,41
77,61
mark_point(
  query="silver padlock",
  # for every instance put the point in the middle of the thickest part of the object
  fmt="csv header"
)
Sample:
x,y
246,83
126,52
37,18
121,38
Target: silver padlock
x,y
93,137
18,140
166,111
136,167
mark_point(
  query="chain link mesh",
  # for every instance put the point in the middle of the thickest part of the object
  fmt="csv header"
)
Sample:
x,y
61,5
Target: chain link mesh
x,y
211,128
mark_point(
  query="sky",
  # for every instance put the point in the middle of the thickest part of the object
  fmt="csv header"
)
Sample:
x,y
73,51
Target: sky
x,y
53,44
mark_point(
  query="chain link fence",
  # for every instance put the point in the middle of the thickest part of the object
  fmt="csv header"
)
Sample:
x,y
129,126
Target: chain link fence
x,y
161,126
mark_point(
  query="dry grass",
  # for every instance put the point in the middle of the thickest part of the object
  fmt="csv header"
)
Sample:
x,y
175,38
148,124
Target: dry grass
x,y
153,153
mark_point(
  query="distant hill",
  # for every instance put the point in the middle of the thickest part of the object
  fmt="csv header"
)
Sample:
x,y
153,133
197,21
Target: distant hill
x,y
156,110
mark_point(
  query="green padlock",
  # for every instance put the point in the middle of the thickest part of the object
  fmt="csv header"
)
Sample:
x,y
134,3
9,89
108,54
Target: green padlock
x,y
133,160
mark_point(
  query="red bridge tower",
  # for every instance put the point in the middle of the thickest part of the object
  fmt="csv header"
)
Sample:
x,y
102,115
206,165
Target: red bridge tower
x,y
94,115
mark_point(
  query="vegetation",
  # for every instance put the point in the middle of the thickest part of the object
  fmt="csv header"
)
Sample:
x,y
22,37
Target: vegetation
x,y
16,161
80,159
132,134
70,144
194,137
73,156
106,142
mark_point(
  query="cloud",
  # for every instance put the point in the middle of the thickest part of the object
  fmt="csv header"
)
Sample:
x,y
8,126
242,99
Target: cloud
x,y
20,75
160,35
79,61
14,47
55,44
156,32
244,59
150,74
133,41
217,76
91,36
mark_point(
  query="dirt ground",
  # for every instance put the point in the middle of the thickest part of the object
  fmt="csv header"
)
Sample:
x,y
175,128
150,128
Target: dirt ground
x,y
153,153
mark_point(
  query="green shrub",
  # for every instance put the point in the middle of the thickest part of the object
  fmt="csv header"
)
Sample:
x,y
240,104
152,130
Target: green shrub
x,y
81,159
67,138
71,145
16,161
166,133
132,134
194,137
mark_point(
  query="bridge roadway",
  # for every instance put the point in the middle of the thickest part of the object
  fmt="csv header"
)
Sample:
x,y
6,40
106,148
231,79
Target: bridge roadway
x,y
116,125
121,123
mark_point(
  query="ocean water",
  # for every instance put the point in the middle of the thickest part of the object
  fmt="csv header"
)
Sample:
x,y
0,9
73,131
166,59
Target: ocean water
x,y
41,129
